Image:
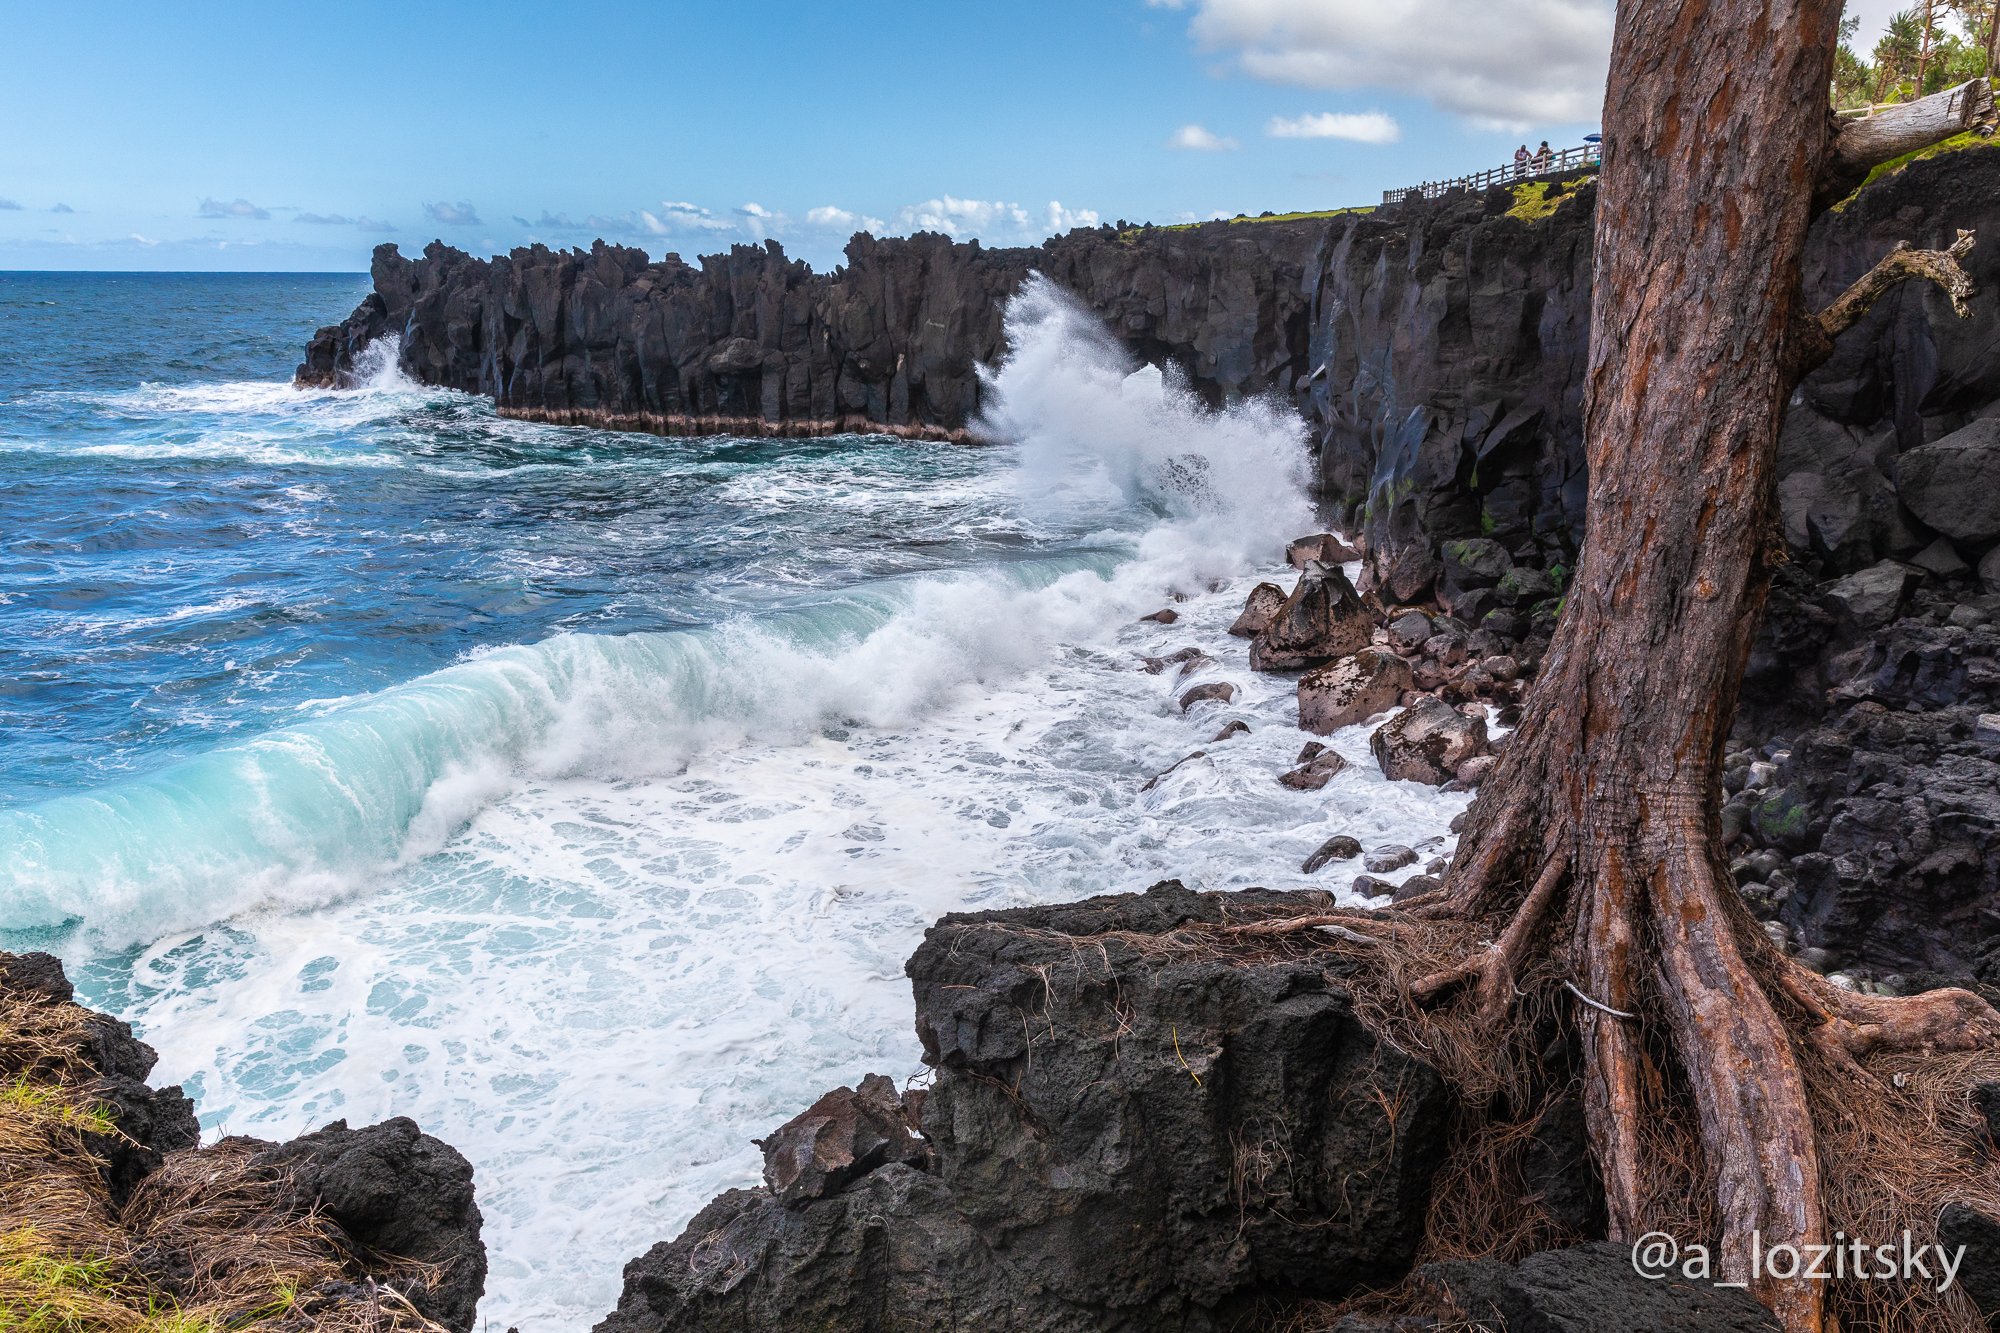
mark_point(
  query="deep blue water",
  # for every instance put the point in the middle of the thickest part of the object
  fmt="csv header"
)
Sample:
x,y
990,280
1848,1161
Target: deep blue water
x,y
194,550
578,794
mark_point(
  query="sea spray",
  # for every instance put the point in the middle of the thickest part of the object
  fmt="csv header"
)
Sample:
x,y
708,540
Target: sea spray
x,y
598,908
303,814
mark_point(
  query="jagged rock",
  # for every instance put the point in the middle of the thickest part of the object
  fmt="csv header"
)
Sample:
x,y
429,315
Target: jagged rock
x,y
751,342
1081,1096
397,1190
1314,771
1322,619
1339,847
1871,597
1941,560
1525,587
1989,570
1322,546
1427,742
1408,632
838,1139
150,1123
1351,690
1259,610
1593,1289
391,1189
1392,857
1475,562
1214,691
1949,483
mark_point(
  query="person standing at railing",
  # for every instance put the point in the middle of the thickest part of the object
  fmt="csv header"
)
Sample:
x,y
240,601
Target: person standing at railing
x,y
1521,160
1544,158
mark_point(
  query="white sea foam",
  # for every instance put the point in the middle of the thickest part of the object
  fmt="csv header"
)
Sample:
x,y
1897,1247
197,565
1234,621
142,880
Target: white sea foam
x,y
597,910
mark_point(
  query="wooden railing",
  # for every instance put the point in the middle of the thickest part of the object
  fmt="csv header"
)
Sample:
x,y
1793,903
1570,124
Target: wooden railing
x,y
1569,159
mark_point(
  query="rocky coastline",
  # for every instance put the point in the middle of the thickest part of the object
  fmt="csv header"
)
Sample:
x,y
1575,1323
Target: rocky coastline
x,y
113,1215
1143,1113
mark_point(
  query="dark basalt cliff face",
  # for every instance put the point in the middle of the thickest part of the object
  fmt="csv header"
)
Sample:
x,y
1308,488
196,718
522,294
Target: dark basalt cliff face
x,y
1126,1135
751,343
1437,348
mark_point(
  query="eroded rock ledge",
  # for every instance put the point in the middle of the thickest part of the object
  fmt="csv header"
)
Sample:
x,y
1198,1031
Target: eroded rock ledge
x,y
1122,1134
110,1210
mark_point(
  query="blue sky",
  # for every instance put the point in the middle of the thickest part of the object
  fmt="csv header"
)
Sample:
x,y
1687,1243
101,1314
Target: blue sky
x,y
289,136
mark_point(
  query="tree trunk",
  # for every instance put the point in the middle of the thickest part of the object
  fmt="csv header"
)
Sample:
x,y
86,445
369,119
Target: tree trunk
x,y
1717,144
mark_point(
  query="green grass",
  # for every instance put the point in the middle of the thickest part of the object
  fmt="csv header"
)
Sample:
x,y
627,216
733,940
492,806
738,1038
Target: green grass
x,y
1132,233
1532,201
1955,144
45,1102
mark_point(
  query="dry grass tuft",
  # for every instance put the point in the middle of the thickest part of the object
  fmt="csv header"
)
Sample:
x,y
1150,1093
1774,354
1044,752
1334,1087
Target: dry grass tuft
x,y
1898,1139
210,1243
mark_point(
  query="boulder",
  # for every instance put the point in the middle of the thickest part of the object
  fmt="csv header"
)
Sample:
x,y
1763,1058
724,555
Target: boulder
x,y
1989,570
1408,631
1427,742
1941,560
396,1190
1392,857
1871,598
1215,691
1314,771
1339,847
148,1123
1475,562
1322,546
1125,1138
1235,726
1165,616
1322,619
1259,609
1979,1271
838,1139
1949,484
1525,587
1351,690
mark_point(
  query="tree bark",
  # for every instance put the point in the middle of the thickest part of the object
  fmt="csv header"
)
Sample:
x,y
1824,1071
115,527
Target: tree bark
x,y
1717,145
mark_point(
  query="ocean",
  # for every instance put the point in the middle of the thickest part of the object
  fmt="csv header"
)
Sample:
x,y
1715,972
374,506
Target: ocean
x,y
580,794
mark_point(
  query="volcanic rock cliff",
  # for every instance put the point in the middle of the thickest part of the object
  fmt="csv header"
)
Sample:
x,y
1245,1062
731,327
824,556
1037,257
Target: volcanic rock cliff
x,y
752,343
1437,348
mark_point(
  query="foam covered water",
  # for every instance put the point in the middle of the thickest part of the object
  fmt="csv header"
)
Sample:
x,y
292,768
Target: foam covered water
x,y
631,876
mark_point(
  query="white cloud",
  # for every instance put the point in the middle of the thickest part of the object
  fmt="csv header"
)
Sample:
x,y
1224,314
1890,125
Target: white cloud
x,y
1196,139
62,208
460,214
839,218
364,222
1515,64
955,216
677,215
1069,219
236,208
1361,127
992,220
758,211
